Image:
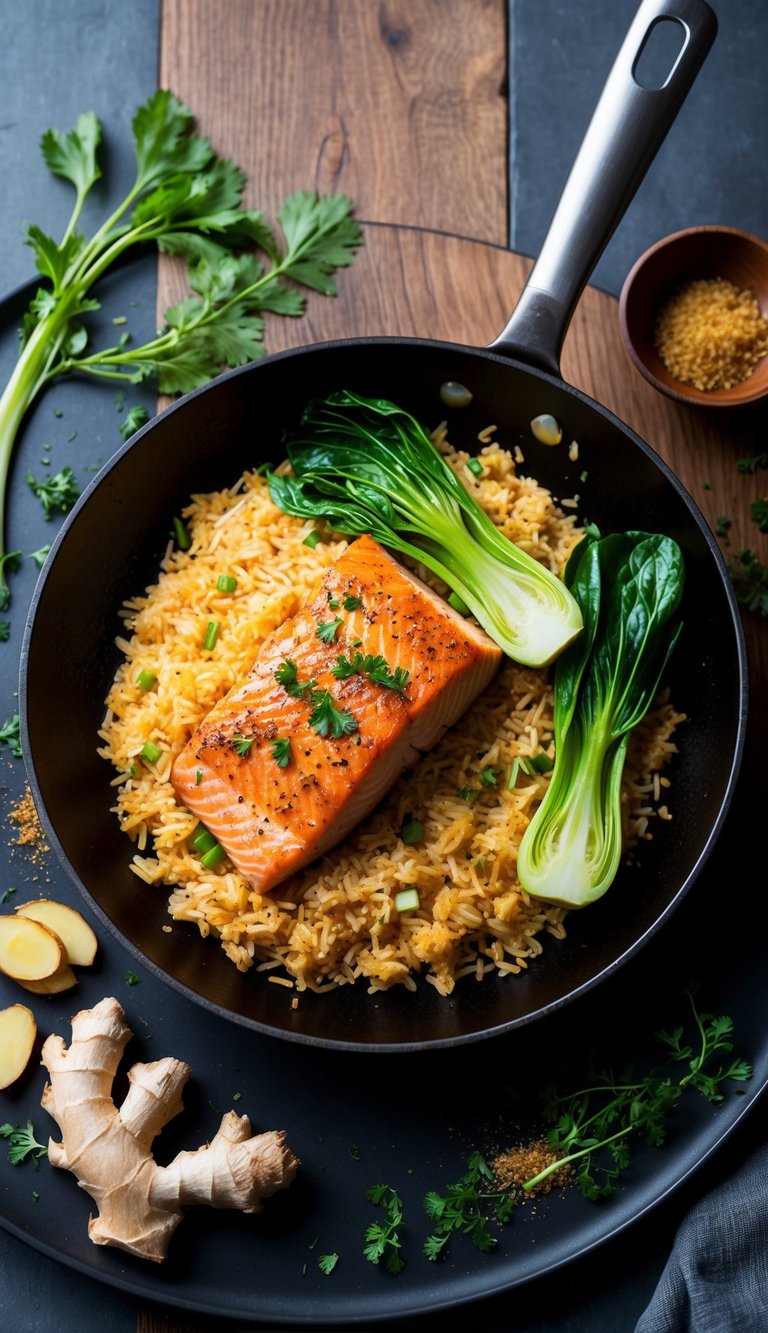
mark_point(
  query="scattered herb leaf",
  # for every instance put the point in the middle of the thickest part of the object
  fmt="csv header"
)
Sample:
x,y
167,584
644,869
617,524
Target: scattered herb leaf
x,y
22,1144
56,493
462,1208
281,751
382,1238
327,1262
11,735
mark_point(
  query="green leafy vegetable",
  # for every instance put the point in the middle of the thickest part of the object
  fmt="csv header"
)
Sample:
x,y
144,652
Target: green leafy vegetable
x,y
327,1262
131,979
58,492
383,1239
327,719
462,1208
759,512
137,417
328,630
10,734
591,1126
366,466
753,463
40,555
22,1144
351,603
281,751
242,744
750,579
188,202
629,587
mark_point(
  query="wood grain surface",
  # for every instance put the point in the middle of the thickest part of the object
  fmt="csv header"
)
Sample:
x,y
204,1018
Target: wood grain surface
x,y
402,105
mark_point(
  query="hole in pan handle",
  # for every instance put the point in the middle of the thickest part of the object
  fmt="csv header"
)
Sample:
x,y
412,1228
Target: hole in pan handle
x,y
629,125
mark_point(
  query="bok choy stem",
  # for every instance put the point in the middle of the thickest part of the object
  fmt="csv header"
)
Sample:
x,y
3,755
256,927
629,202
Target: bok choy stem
x,y
366,466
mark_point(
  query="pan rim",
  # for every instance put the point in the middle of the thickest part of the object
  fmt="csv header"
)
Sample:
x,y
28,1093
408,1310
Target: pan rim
x,y
500,1029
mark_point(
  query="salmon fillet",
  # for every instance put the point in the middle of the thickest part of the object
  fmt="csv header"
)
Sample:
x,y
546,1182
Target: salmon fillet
x,y
259,772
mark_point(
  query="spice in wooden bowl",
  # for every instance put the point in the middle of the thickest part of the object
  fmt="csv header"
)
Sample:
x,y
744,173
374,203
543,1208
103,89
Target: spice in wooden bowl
x,y
711,334
693,315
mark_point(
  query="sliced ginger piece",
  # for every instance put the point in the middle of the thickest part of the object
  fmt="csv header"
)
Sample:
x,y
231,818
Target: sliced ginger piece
x,y
18,1030
29,951
72,928
62,980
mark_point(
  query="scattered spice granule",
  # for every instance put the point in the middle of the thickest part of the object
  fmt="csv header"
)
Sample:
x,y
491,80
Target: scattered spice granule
x,y
522,1162
25,816
711,334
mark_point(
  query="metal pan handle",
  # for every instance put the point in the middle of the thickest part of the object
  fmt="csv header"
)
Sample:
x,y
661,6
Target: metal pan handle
x,y
626,130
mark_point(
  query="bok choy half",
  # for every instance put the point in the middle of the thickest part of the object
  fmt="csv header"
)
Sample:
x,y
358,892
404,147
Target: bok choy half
x,y
366,466
629,586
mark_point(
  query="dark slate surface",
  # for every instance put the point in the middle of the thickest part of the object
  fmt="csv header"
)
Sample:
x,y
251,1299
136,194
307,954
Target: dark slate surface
x,y
711,169
56,59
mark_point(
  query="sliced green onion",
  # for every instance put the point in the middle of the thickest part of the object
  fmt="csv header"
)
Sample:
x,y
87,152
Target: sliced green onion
x,y
541,763
198,777
488,777
458,604
475,467
146,679
407,900
150,752
212,857
211,635
226,583
311,539
412,832
181,533
205,840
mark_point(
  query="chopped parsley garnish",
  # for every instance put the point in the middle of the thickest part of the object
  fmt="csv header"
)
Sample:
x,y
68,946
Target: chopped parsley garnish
x,y
198,777
242,744
467,794
750,581
327,719
327,630
131,979
383,1240
462,1208
327,1262
375,668
40,555
11,735
5,630
137,416
287,675
281,751
333,602
22,1144
351,603
56,493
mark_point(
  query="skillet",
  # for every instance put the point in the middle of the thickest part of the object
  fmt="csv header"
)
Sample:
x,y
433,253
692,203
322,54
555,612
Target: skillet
x,y
110,546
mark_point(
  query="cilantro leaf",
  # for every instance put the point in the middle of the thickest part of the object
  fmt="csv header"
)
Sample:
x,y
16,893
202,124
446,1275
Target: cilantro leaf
x,y
59,492
281,751
327,719
137,417
327,1262
242,744
11,735
383,1238
22,1144
328,630
73,155
321,236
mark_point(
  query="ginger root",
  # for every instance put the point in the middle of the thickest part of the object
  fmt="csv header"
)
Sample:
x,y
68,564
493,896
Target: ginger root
x,y
109,1150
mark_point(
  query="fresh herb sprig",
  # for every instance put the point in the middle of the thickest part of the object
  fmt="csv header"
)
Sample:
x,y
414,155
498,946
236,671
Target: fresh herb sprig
x,y
376,668
383,1238
463,1208
187,201
750,579
10,734
57,493
22,1144
326,718
591,1127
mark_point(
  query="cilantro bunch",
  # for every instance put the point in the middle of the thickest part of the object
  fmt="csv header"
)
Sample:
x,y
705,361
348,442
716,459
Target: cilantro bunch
x,y
189,202
591,1127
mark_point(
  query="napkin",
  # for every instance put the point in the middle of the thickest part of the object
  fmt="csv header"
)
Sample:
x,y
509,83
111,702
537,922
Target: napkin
x,y
716,1278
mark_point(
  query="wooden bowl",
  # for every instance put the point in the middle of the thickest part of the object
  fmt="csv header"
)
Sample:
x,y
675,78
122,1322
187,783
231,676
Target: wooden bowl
x,y
697,252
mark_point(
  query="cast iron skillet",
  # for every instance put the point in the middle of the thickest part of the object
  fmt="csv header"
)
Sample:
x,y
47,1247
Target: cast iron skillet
x,y
110,546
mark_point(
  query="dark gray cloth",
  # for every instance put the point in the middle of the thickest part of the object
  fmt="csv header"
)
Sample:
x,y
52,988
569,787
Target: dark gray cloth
x,y
716,1279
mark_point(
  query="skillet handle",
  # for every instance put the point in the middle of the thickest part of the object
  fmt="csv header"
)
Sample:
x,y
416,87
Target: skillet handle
x,y
626,130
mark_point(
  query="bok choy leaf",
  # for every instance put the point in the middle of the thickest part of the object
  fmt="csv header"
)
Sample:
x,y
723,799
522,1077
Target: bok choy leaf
x,y
366,466
629,586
